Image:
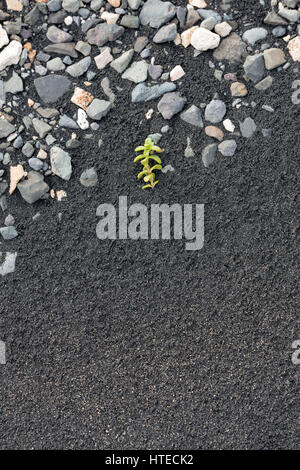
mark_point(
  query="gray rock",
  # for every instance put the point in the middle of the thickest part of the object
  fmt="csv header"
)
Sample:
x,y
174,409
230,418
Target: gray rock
x,y
290,3
192,116
2,94
14,84
6,128
264,84
273,19
192,18
47,113
227,148
54,5
28,150
247,127
290,15
41,127
51,87
279,31
83,47
209,154
209,23
3,187
9,220
274,57
33,188
8,233
140,43
215,111
64,48
89,178
204,13
96,4
33,16
130,21
155,71
79,68
9,264
137,72
171,104
18,142
35,163
56,35
121,63
232,49
166,33
155,13
60,163
98,109
71,6
255,34
104,33
143,93
66,121
254,67
55,65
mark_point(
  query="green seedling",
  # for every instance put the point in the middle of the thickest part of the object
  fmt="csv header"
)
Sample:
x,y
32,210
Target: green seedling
x,y
147,172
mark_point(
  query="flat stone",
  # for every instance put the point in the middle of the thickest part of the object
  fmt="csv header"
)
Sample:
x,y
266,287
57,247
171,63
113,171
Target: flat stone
x,y
192,116
103,59
79,68
215,111
60,163
121,63
83,47
8,233
155,13
264,84
166,33
5,128
10,55
255,34
144,93
247,127
14,84
254,67
56,35
33,188
41,127
209,154
64,48
231,49
273,58
67,122
98,109
137,72
81,98
171,104
104,33
273,19
202,39
89,178
130,21
71,6
227,148
47,113
51,87
215,132
289,14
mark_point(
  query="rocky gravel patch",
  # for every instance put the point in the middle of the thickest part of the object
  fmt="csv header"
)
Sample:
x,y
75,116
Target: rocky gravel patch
x,y
53,53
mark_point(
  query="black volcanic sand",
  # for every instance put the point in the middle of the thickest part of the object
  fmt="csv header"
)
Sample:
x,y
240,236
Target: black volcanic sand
x,y
142,344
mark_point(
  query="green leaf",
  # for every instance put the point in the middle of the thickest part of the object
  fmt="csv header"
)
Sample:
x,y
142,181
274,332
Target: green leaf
x,y
155,148
155,158
147,178
156,167
138,158
156,182
147,186
144,172
140,148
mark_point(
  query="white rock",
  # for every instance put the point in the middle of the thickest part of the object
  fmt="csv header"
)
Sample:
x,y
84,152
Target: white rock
x,y
203,39
82,119
68,20
10,54
294,48
103,59
229,126
176,73
3,37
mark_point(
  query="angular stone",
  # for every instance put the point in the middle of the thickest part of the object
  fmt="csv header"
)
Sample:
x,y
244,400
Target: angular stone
x,y
104,33
273,19
60,163
55,65
166,34
79,68
143,93
254,67
209,154
290,15
215,111
81,98
232,49
8,233
137,72
227,148
33,188
51,87
98,109
192,116
130,21
56,35
203,39
41,127
264,84
103,59
64,48
10,55
66,121
294,48
121,63
14,84
171,104
155,13
274,58
5,128
186,36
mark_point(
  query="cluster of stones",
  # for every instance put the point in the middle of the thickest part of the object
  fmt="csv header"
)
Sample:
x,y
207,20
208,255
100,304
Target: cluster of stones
x,y
58,69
